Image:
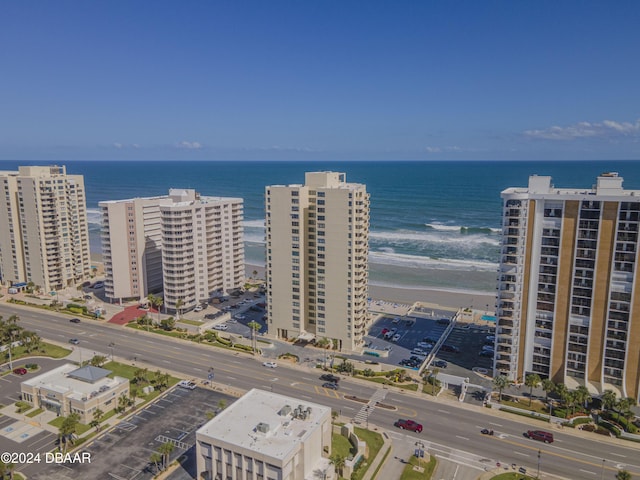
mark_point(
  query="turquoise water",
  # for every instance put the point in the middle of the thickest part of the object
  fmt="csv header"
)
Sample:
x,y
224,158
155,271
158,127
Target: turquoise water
x,y
431,222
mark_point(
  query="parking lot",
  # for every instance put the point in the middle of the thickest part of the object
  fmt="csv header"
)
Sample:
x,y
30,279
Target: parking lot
x,y
124,451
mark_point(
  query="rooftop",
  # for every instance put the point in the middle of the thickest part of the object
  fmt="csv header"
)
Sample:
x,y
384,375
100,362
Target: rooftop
x,y
267,422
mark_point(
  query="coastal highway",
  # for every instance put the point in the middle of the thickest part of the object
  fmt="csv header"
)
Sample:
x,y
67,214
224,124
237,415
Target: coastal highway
x,y
450,430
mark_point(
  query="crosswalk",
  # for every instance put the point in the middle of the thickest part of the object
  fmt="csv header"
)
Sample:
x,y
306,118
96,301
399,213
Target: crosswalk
x,y
363,414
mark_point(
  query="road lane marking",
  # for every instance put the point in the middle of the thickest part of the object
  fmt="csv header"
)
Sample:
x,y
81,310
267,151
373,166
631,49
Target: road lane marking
x,y
444,411
618,455
588,471
496,424
461,438
522,454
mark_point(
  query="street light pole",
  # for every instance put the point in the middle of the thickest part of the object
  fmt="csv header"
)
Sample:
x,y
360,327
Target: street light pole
x,y
538,474
602,473
111,345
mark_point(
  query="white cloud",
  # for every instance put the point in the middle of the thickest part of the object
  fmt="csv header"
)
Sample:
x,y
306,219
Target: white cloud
x,y
118,145
605,129
443,149
190,145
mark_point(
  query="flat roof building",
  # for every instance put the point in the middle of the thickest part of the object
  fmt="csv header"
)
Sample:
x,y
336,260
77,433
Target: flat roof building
x,y
69,389
44,237
317,259
568,291
268,436
183,244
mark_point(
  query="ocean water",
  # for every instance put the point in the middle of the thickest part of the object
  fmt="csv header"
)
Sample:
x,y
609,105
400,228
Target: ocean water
x,y
433,224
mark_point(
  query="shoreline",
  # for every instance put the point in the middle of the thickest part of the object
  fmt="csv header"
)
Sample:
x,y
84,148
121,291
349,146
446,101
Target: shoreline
x,y
436,296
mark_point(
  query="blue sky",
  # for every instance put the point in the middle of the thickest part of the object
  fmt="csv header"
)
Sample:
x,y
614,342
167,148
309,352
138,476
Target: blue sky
x,y
326,80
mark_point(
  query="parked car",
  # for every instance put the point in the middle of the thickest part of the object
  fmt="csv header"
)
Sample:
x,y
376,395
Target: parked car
x,y
540,435
187,384
449,348
98,285
440,364
396,337
331,386
20,371
395,320
408,425
269,364
487,348
74,341
239,317
330,378
221,326
75,320
486,353
443,321
384,331
198,308
425,345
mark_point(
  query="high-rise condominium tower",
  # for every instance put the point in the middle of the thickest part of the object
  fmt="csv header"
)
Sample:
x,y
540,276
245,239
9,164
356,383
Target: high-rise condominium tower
x,y
568,302
317,259
185,244
44,236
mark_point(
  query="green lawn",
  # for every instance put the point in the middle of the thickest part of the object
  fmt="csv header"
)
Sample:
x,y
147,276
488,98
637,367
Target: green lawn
x,y
45,350
410,474
80,428
374,441
196,323
37,411
340,445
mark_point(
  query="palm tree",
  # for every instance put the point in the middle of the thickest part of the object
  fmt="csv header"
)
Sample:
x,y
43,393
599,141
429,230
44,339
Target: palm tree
x,y
156,458
123,402
547,386
501,382
338,462
179,305
67,429
254,326
98,360
133,394
623,405
165,450
623,475
608,399
255,274
582,395
563,392
155,302
532,380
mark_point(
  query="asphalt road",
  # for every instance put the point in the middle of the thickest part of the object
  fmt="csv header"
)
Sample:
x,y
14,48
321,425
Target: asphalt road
x,y
452,430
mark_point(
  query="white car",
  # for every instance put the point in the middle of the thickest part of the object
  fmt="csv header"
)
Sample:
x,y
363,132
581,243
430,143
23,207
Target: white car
x,y
396,337
239,317
269,364
198,308
221,326
487,348
187,384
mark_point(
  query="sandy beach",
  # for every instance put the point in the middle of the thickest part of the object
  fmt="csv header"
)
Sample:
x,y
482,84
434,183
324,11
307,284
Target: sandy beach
x,y
441,297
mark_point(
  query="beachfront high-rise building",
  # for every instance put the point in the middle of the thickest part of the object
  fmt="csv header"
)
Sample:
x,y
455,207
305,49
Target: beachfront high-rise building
x,y
131,237
317,259
187,245
569,285
45,236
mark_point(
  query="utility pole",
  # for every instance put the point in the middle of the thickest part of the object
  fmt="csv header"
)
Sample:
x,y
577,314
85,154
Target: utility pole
x,y
602,473
538,474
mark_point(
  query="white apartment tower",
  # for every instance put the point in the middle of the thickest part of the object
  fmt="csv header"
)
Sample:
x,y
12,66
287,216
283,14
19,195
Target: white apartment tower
x,y
44,237
317,259
568,292
202,247
185,244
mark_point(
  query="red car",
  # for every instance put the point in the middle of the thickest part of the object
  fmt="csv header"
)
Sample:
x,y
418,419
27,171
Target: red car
x,y
408,425
384,330
20,371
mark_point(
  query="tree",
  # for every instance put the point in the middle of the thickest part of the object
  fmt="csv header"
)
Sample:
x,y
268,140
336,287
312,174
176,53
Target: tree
x,y
133,394
434,380
338,462
98,360
168,323
532,380
165,450
141,375
547,386
623,405
97,415
608,399
155,302
156,458
222,404
255,274
255,327
179,305
123,402
623,475
67,429
501,382
563,393
582,395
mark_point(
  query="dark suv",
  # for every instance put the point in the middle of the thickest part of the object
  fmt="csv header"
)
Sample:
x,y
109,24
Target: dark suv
x,y
329,378
408,425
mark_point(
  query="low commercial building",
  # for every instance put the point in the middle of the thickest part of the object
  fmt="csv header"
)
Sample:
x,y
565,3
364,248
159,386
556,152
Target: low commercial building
x,y
68,389
266,436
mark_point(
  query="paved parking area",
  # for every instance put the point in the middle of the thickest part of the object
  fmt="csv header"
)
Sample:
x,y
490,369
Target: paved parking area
x,y
124,451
